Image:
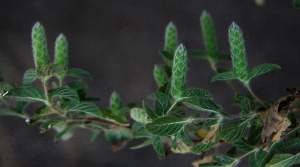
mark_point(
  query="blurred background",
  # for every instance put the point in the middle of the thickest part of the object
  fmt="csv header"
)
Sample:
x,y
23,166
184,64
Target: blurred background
x,y
117,41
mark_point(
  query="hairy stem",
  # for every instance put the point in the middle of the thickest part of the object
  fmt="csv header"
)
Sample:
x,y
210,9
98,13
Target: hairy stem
x,y
256,98
48,99
100,121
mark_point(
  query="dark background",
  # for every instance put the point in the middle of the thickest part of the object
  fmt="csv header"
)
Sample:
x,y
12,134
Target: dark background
x,y
117,41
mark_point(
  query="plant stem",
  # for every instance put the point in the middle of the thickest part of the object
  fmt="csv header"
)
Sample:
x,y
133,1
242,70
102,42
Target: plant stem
x,y
100,121
47,96
230,117
256,98
175,102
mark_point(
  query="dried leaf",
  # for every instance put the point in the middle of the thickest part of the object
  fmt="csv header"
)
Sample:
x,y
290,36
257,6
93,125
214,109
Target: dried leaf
x,y
205,159
283,126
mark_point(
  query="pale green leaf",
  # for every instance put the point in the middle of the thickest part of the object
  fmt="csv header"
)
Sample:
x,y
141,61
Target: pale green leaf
x,y
109,116
138,114
223,159
112,136
171,38
144,144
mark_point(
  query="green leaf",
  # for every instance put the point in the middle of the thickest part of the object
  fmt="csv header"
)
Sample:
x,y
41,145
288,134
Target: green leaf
x,y
29,76
20,106
137,126
193,126
232,152
157,144
165,126
112,136
209,35
238,53
94,135
142,133
243,145
160,75
6,111
75,85
223,159
144,144
202,104
255,136
39,46
50,70
68,129
179,71
64,92
234,131
283,160
296,4
201,147
151,113
253,160
197,53
280,147
263,68
61,51
26,94
43,110
168,57
162,103
224,76
86,107
184,137
138,114
4,87
115,103
293,143
109,116
194,92
178,111
171,38
262,157
47,125
78,73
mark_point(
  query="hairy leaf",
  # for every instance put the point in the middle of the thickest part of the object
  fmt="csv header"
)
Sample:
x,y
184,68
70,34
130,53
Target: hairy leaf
x,y
39,46
194,92
157,144
171,38
64,92
234,131
193,126
238,53
115,103
224,76
179,71
262,69
61,51
243,145
86,107
138,114
78,73
209,36
223,159
109,116
151,114
283,160
160,75
165,126
202,104
26,94
162,103
75,85
29,76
